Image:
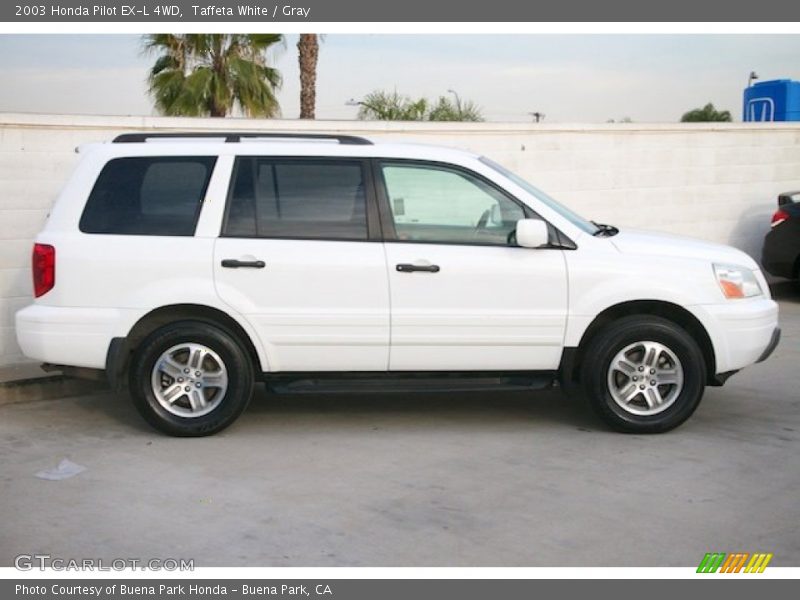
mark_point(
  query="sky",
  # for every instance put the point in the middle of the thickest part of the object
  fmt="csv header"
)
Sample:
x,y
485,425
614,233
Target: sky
x,y
569,78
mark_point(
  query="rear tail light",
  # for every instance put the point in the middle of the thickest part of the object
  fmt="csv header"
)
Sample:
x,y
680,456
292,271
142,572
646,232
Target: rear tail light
x,y
44,269
779,217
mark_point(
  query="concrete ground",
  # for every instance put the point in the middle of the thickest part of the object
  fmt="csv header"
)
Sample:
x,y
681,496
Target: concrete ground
x,y
414,480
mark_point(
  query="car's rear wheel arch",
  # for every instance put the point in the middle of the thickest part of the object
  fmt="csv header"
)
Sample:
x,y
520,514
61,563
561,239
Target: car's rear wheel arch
x,y
165,315
666,310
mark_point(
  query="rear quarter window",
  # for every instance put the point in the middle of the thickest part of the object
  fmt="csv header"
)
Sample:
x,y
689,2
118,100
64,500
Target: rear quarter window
x,y
148,196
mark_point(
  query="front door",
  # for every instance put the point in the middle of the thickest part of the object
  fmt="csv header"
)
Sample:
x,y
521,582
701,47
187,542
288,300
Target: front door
x,y
300,259
463,295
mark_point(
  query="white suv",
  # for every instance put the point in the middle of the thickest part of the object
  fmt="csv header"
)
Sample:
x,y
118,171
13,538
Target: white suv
x,y
192,265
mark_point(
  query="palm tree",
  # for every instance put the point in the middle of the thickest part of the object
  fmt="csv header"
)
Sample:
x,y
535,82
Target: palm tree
x,y
210,74
445,110
307,55
706,114
381,105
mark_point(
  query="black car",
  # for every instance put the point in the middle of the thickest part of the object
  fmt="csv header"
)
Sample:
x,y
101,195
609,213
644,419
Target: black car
x,y
781,253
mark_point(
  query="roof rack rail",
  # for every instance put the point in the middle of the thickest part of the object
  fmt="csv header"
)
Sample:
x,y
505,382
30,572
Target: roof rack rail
x,y
236,136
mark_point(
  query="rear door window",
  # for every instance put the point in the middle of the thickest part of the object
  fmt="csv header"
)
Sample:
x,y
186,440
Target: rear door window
x,y
297,199
148,196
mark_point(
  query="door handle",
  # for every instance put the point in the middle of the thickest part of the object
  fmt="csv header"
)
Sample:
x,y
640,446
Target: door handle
x,y
409,268
232,263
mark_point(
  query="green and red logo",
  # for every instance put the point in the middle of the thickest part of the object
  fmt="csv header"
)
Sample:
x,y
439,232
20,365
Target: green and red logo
x,y
736,562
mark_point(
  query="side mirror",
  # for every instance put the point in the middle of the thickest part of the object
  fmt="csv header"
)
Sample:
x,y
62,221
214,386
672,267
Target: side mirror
x,y
532,233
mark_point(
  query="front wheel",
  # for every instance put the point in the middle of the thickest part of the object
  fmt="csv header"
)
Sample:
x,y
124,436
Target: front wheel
x,y
643,374
191,379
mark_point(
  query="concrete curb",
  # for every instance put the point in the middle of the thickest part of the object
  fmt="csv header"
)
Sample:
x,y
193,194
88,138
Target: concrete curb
x,y
24,384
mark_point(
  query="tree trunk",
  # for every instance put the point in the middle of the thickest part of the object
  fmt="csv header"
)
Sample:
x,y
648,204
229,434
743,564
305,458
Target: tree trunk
x,y
307,54
217,109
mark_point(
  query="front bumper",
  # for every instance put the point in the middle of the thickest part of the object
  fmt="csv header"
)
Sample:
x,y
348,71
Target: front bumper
x,y
743,332
773,343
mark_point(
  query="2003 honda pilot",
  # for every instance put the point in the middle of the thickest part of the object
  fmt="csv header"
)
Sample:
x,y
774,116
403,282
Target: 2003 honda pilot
x,y
189,266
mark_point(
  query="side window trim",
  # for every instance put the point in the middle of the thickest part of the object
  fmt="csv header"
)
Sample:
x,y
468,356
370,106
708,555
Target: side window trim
x,y
371,206
382,197
237,163
385,211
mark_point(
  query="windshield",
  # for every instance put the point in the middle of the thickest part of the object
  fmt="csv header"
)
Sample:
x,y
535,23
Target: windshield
x,y
572,217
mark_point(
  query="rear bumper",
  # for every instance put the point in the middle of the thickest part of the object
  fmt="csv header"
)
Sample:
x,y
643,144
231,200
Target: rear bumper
x,y
78,337
781,249
743,332
778,267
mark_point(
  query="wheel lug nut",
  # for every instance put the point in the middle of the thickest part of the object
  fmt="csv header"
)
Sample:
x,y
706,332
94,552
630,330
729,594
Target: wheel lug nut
x,y
187,388
186,371
653,382
635,378
180,379
641,368
652,371
641,387
197,384
197,374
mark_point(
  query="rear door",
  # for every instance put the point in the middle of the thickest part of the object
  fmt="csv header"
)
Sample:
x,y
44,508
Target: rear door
x,y
300,257
464,296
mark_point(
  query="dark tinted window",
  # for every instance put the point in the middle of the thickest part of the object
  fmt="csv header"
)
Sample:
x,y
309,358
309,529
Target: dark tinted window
x,y
148,196
280,198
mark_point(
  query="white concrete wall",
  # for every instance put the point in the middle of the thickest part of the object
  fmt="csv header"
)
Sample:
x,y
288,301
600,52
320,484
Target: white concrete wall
x,y
712,181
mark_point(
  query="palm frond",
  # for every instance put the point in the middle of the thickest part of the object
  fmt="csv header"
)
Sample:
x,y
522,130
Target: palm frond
x,y
206,74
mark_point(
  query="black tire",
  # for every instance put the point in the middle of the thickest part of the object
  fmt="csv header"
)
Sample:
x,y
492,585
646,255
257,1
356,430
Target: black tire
x,y
227,408
621,334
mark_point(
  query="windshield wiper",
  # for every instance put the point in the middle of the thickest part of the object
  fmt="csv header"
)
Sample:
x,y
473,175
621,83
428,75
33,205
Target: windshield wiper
x,y
604,230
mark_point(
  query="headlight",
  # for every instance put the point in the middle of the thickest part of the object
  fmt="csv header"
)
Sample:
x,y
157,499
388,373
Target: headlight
x,y
737,282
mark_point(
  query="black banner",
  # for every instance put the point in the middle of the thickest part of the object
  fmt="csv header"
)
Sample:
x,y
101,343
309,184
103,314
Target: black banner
x,y
733,588
315,11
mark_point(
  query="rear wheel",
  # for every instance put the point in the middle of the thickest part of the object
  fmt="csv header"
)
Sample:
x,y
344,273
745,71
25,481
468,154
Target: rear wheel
x,y
191,379
643,374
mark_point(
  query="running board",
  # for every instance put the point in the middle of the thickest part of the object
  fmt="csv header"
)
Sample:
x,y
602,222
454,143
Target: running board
x,y
381,382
